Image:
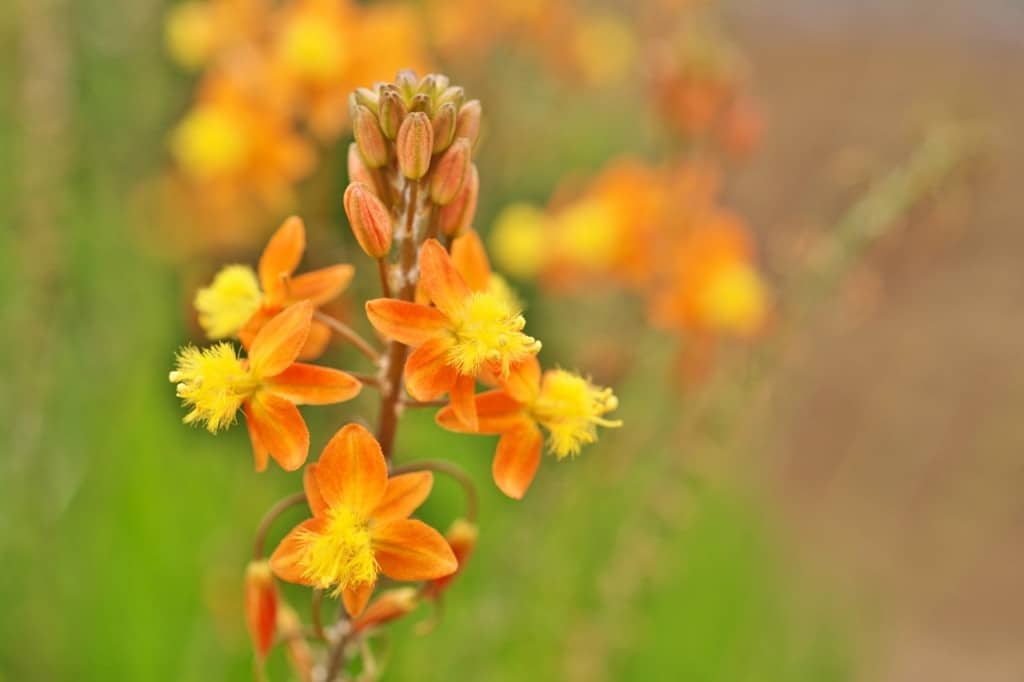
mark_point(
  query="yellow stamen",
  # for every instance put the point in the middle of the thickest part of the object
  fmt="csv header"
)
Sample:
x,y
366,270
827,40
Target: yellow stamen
x,y
341,556
587,234
209,142
214,383
735,300
520,240
571,409
312,50
227,304
190,32
489,329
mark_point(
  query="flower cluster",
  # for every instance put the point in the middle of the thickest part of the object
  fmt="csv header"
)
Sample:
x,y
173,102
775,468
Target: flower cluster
x,y
273,86
448,325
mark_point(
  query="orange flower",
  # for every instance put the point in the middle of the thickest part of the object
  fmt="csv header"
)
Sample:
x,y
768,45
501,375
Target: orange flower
x,y
260,606
240,300
360,525
267,385
568,406
469,331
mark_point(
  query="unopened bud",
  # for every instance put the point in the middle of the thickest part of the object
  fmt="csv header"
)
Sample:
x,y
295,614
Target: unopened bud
x,y
461,536
407,81
370,221
260,606
451,172
455,95
414,145
468,124
443,124
420,102
357,170
368,98
427,85
299,655
392,111
458,215
369,137
390,605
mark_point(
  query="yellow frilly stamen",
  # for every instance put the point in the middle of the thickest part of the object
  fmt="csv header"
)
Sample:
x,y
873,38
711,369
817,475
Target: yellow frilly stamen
x,y
209,143
214,383
190,33
488,328
227,304
734,300
311,49
571,409
341,556
520,240
587,234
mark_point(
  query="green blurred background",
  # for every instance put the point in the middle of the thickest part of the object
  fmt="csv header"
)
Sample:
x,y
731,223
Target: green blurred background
x,y
844,508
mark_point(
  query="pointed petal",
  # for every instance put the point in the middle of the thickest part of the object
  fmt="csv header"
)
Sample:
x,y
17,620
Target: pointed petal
x,y
286,561
251,328
316,502
314,385
427,372
356,596
260,454
523,380
352,470
516,460
496,412
463,403
442,282
279,341
319,286
408,549
317,341
409,323
403,495
279,428
282,255
470,259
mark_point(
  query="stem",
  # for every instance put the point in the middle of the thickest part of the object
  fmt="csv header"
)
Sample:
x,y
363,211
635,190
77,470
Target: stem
x,y
350,335
366,379
424,403
314,614
385,285
268,519
336,658
449,469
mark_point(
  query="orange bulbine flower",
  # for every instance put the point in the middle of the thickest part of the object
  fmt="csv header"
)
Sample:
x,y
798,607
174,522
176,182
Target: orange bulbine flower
x,y
360,525
267,385
468,331
389,606
568,406
240,300
260,606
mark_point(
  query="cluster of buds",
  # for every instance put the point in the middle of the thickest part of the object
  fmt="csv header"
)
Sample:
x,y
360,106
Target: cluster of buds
x,y
659,232
447,324
273,84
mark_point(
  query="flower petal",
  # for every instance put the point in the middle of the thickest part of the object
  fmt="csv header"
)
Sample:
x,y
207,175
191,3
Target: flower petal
x,y
403,495
408,549
279,430
352,470
409,323
317,341
319,286
260,454
523,380
305,384
286,561
496,411
440,279
282,255
516,459
316,502
470,259
463,403
356,596
279,341
427,372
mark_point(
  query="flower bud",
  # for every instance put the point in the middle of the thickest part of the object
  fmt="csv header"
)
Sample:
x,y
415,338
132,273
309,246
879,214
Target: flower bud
x,y
407,82
450,173
455,95
357,170
299,655
260,606
443,124
420,102
458,215
427,85
370,221
392,111
414,144
368,98
369,137
390,605
468,124
461,536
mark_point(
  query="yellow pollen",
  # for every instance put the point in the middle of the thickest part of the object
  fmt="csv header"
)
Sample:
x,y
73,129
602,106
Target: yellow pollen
x,y
735,300
488,328
227,304
209,142
341,556
190,33
571,409
213,382
312,50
